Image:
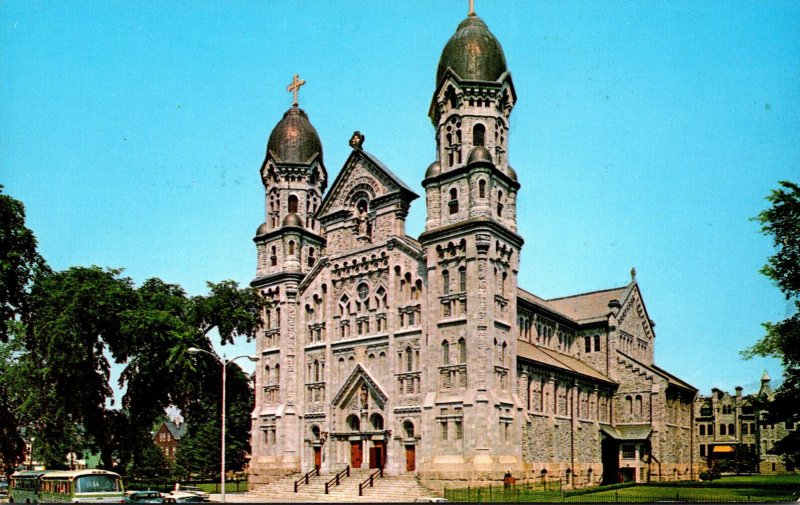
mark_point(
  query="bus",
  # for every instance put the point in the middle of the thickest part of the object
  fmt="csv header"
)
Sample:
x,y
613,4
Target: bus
x,y
24,487
72,486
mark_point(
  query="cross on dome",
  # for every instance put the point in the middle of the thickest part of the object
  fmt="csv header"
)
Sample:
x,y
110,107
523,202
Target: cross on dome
x,y
294,87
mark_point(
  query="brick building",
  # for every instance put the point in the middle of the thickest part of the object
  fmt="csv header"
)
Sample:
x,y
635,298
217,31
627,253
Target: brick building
x,y
422,354
729,427
168,436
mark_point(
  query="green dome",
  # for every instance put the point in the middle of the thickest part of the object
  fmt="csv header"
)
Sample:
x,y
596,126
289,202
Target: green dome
x,y
473,53
294,139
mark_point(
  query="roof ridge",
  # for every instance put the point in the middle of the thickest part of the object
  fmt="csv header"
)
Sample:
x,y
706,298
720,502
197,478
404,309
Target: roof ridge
x,y
586,293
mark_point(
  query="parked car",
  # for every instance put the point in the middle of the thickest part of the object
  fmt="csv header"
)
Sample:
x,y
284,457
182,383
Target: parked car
x,y
144,497
181,497
192,490
3,489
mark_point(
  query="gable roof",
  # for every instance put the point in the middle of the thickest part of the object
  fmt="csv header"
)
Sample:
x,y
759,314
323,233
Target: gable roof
x,y
349,384
671,379
560,361
175,430
593,305
377,165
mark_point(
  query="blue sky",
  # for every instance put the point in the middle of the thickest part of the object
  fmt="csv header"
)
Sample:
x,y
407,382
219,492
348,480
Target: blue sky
x,y
646,134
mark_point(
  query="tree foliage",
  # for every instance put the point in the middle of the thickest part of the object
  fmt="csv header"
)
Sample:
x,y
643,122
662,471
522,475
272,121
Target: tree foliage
x,y
782,339
20,262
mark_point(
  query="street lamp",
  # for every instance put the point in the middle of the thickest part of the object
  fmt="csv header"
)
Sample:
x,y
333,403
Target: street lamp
x,y
224,362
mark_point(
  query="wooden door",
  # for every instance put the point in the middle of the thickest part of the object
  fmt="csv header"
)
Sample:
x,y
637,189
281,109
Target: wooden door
x,y
377,455
356,454
411,458
317,457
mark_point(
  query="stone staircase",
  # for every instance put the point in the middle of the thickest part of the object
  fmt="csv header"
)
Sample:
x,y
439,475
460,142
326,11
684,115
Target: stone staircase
x,y
396,488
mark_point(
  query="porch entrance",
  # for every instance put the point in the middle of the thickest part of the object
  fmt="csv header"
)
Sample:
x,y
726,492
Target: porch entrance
x,y
610,455
356,454
317,457
411,458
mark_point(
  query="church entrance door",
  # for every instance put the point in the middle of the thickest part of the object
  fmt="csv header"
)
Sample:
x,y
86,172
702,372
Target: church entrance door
x,y
411,458
377,454
317,457
356,454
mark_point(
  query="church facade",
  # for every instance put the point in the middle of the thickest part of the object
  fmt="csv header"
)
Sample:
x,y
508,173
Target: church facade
x,y
423,355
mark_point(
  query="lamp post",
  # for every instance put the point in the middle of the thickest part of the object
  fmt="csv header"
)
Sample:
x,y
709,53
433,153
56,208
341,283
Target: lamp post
x,y
224,362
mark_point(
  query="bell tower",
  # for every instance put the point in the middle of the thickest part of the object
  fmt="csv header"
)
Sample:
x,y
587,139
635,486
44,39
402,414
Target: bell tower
x,y
472,253
289,243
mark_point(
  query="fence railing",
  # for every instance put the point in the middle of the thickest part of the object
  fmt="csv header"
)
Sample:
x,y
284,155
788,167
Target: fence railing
x,y
304,478
336,479
165,486
368,482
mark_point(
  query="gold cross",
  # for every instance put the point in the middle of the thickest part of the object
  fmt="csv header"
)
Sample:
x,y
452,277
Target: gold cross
x,y
471,7
294,87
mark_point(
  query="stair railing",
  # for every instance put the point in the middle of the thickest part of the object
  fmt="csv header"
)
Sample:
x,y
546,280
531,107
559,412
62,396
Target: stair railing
x,y
335,480
304,478
369,480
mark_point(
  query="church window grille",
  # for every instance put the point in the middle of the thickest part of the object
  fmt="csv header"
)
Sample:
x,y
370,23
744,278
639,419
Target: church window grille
x,y
462,350
478,135
628,451
445,353
482,188
446,282
292,204
597,343
462,279
453,204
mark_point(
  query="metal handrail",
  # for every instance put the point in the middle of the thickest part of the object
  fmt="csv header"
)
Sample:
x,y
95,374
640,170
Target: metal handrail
x,y
336,478
369,480
304,478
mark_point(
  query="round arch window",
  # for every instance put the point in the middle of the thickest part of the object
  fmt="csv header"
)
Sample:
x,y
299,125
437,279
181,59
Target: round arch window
x,y
363,291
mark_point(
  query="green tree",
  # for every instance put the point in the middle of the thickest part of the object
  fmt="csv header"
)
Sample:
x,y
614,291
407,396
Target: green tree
x,y
12,443
19,263
782,339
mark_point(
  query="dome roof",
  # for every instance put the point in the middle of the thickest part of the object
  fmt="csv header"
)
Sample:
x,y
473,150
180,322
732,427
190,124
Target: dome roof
x,y
433,170
292,219
262,229
473,53
479,154
512,174
294,139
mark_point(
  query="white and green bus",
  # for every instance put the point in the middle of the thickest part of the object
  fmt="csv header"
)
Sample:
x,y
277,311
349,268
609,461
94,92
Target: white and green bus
x,y
73,486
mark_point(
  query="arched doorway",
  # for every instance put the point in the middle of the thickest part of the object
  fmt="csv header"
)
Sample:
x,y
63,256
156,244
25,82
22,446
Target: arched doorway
x,y
377,453
356,446
411,448
316,444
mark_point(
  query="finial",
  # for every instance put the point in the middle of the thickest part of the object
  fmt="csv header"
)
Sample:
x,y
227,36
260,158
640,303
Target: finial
x,y
633,274
471,8
357,140
294,87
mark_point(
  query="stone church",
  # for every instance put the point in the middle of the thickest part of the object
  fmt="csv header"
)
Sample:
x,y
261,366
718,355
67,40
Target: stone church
x,y
423,354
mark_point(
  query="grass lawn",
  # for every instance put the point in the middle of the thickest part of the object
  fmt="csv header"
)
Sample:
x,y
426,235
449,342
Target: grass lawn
x,y
761,479
646,493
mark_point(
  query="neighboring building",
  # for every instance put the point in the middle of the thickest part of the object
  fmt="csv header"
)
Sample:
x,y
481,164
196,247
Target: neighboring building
x,y
731,428
423,355
168,436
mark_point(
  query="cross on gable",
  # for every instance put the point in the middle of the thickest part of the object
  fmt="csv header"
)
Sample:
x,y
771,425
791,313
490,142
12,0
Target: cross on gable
x,y
294,87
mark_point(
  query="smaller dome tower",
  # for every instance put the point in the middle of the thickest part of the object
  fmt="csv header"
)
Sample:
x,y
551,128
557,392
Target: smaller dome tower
x,y
294,178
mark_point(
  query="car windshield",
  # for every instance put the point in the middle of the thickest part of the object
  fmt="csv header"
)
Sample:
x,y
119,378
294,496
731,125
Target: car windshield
x,y
96,484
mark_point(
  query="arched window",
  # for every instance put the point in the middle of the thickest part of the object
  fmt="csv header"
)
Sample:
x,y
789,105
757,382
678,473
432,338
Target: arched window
x,y
273,258
629,404
363,291
445,282
499,203
291,247
292,204
315,432
453,204
380,297
311,259
639,405
503,349
462,350
268,374
723,430
409,360
597,343
277,374
316,371
408,428
482,188
462,279
353,423
376,420
445,353
478,135
587,344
